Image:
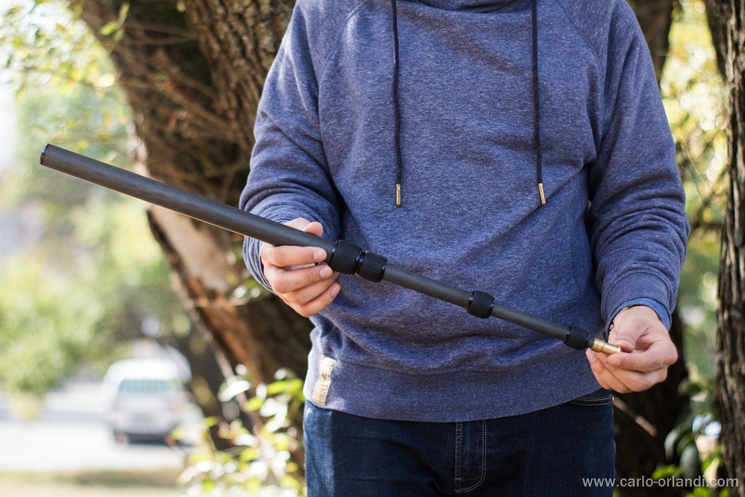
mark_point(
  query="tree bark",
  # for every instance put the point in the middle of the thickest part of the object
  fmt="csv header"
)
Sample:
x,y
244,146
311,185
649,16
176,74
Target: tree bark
x,y
655,19
194,116
718,13
728,31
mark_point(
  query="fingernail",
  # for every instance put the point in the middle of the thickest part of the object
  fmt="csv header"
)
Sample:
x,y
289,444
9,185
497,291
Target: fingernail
x,y
614,361
319,255
335,291
325,272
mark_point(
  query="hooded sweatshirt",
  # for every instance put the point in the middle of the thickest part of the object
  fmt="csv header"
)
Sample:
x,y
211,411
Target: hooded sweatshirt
x,y
450,114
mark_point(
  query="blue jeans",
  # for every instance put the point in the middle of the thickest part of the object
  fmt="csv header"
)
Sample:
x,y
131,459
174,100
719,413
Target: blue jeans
x,y
547,452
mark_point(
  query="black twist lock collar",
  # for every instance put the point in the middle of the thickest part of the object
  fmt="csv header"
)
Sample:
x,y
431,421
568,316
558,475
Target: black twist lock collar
x,y
577,338
480,304
348,258
345,257
372,267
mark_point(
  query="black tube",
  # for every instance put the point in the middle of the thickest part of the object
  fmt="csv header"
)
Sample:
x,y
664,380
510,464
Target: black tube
x,y
178,200
350,258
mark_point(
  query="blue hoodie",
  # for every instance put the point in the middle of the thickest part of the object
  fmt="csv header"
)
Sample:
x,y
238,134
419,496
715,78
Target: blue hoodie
x,y
451,115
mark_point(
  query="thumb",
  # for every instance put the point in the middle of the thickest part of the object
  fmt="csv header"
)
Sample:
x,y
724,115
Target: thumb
x,y
302,224
623,336
314,228
626,344
631,323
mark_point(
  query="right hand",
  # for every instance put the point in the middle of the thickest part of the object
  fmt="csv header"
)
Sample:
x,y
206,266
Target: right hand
x,y
295,277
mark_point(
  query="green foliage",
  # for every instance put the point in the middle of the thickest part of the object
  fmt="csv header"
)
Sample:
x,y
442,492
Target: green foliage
x,y
694,440
79,288
40,338
694,98
116,28
41,40
259,461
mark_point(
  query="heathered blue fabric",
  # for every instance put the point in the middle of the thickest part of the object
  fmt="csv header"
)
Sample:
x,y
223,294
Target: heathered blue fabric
x,y
613,229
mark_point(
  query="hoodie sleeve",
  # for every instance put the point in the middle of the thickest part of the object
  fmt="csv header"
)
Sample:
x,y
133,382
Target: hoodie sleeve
x,y
289,176
637,222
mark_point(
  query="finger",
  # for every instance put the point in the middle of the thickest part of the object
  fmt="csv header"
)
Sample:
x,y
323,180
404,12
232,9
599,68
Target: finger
x,y
604,376
299,223
308,294
302,224
314,228
286,254
599,378
290,255
320,303
625,342
658,355
631,324
285,281
630,380
637,382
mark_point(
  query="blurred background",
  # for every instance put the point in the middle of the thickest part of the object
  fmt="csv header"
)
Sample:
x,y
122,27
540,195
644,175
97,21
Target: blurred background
x,y
84,285
63,431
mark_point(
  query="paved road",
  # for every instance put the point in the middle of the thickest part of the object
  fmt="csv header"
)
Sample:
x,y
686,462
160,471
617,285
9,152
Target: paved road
x,y
71,435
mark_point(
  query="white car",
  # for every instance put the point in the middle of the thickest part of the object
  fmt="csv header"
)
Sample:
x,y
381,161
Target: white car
x,y
146,398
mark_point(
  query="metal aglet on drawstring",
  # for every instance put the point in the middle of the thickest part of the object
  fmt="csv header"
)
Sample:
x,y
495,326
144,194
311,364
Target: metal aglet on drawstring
x,y
537,105
396,107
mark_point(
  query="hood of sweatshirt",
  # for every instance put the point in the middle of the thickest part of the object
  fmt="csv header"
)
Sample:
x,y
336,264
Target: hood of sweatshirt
x,y
473,5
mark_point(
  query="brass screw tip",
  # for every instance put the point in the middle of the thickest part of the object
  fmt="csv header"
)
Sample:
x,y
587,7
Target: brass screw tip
x,y
599,345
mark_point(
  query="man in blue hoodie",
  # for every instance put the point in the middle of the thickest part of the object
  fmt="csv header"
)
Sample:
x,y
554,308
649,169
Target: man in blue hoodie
x,y
515,146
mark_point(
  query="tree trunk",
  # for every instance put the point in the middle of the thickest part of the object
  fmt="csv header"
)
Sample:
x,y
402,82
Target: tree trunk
x,y
194,117
655,19
728,31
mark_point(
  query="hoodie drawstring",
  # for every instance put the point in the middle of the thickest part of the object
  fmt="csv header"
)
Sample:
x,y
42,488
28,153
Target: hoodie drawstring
x,y
396,107
536,103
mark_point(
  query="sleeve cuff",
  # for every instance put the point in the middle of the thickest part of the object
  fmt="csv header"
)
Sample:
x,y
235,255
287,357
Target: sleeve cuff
x,y
633,286
252,258
660,309
251,255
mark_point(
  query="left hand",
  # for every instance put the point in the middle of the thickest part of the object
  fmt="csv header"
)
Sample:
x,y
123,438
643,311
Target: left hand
x,y
647,352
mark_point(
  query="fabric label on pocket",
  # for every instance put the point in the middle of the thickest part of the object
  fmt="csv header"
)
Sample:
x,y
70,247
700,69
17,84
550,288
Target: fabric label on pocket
x,y
321,390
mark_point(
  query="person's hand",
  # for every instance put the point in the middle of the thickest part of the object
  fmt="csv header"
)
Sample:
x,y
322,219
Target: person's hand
x,y
295,277
647,352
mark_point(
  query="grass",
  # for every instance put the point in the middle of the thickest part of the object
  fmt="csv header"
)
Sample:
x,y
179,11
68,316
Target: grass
x,y
161,483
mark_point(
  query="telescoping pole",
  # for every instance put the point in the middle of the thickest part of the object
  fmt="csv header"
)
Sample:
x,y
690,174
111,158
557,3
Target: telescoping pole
x,y
343,257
